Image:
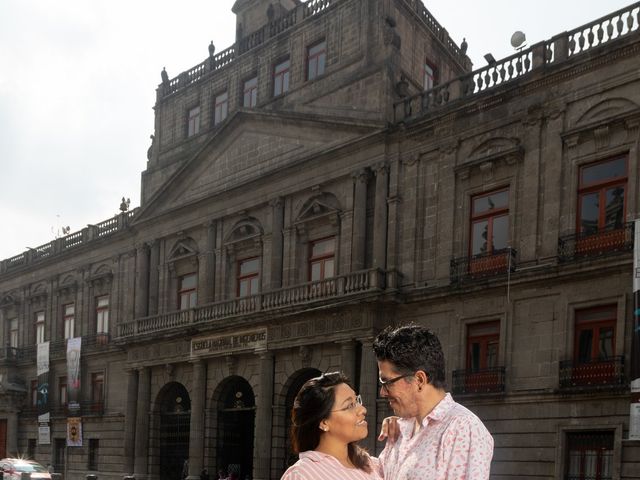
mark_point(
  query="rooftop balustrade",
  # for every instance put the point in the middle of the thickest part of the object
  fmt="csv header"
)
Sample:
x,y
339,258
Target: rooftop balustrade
x,y
605,30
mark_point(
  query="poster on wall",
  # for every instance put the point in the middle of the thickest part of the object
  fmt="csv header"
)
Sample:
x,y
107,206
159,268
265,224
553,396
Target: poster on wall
x,y
44,434
42,393
73,374
74,432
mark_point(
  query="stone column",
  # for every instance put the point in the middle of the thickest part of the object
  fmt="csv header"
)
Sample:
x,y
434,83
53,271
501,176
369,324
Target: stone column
x,y
196,426
368,390
359,237
277,242
142,424
154,276
209,265
130,420
380,217
142,281
264,416
348,360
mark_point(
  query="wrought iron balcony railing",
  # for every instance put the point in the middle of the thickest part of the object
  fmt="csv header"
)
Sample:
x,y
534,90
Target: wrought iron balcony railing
x,y
488,380
605,374
478,267
596,243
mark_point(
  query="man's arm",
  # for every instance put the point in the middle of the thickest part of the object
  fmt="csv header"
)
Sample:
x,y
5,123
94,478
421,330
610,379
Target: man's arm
x,y
467,449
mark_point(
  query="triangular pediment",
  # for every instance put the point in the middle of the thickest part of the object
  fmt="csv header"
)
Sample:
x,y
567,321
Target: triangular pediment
x,y
251,146
183,248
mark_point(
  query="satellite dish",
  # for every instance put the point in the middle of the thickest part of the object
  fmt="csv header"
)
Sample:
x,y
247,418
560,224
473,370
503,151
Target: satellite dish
x,y
518,39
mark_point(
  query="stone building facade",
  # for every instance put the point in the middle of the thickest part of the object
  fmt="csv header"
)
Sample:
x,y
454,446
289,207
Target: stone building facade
x,y
341,168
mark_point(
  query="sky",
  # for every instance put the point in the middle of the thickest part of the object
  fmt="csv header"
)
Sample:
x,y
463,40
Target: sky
x,y
78,80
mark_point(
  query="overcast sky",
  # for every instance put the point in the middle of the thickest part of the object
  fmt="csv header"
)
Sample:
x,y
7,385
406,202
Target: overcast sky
x,y
78,80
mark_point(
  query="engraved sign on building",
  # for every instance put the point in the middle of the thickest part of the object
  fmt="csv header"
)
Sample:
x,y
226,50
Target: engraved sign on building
x,y
235,342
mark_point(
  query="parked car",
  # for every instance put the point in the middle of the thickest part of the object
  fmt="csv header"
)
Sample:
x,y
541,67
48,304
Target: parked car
x,y
12,469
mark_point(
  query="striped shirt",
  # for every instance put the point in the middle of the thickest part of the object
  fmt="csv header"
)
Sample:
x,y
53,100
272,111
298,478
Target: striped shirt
x,y
320,466
453,444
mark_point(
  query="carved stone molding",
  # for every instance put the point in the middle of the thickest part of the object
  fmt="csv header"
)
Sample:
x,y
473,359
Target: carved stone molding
x,y
602,137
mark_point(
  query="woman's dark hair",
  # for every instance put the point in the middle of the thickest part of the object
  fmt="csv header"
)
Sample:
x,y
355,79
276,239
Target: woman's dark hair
x,y
313,404
411,348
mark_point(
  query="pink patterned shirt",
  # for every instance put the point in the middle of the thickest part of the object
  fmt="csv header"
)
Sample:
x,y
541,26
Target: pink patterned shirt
x,y
320,466
452,444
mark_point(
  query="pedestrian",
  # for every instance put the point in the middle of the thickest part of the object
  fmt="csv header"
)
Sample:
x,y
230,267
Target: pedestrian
x,y
328,419
438,438
204,475
222,474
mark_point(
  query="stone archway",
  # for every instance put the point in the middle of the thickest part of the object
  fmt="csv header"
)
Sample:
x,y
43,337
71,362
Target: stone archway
x,y
174,415
236,411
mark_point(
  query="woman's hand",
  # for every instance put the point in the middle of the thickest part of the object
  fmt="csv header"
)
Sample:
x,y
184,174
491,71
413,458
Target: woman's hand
x,y
389,430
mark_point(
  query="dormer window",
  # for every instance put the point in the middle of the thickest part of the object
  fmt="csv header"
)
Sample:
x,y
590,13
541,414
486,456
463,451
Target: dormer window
x,y
221,108
250,97
193,127
281,77
430,78
316,60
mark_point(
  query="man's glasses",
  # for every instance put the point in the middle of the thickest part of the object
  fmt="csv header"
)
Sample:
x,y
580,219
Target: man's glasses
x,y
352,405
385,384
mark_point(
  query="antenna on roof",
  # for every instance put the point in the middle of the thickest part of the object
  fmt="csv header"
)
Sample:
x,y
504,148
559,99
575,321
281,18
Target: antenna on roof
x,y
517,40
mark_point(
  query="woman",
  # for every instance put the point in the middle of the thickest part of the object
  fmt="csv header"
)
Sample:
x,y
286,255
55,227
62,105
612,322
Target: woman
x,y
328,418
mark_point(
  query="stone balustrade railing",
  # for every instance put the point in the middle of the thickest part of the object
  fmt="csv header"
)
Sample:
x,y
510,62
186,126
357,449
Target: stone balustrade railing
x,y
303,294
560,48
90,233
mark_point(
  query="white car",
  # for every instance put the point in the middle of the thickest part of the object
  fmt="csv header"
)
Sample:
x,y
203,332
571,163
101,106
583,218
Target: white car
x,y
12,469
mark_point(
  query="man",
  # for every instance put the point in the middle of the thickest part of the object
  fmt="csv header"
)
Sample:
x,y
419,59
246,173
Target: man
x,y
439,439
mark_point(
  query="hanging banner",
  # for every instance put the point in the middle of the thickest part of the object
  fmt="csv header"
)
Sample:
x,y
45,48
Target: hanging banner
x,y
73,375
74,432
42,370
634,423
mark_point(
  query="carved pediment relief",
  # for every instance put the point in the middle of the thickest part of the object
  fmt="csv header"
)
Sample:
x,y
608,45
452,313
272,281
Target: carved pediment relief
x,y
324,205
38,294
183,248
102,276
488,153
612,108
246,230
9,300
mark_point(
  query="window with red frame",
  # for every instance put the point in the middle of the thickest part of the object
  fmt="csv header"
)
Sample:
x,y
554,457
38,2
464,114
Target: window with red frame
x,y
62,391
489,223
69,320
221,108
589,456
602,196
13,333
322,259
595,334
483,341
316,59
250,94
248,277
102,314
40,327
193,122
430,75
281,77
187,294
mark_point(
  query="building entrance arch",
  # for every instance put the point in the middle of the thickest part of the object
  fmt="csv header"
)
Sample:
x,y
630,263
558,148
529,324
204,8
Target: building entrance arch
x,y
236,427
174,414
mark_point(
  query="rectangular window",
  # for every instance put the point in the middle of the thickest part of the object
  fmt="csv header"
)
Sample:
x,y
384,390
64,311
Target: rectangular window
x,y
69,320
490,223
589,456
40,327
483,341
602,196
595,334
187,293
193,126
102,314
281,78
92,461
62,391
97,389
13,333
248,277
322,259
250,96
316,60
430,79
221,108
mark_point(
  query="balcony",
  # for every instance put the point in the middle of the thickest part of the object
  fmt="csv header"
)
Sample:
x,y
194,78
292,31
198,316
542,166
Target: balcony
x,y
58,348
596,375
486,381
597,243
479,267
302,296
